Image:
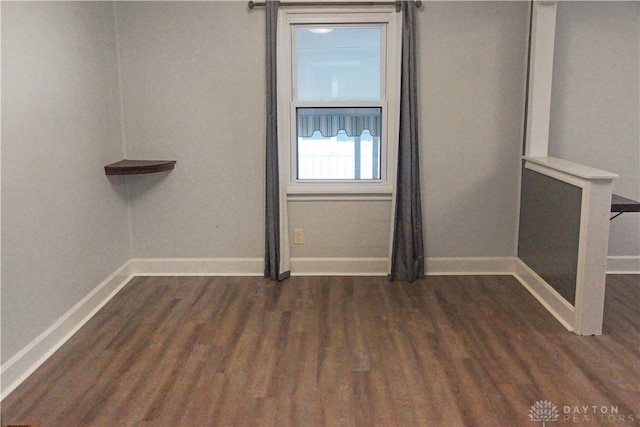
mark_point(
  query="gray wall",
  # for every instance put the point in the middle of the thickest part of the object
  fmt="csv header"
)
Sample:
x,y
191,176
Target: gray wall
x,y
341,228
64,224
595,111
193,84
472,68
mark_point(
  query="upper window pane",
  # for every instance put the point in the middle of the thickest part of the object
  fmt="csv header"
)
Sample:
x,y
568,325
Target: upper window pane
x,y
337,63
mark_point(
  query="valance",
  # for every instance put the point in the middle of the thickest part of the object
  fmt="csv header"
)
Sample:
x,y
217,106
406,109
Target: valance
x,y
329,121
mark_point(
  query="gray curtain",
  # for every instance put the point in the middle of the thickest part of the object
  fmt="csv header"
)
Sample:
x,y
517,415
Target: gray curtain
x,y
273,259
407,254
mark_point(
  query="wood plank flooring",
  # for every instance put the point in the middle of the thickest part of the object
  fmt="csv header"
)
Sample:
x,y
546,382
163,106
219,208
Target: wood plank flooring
x,y
335,351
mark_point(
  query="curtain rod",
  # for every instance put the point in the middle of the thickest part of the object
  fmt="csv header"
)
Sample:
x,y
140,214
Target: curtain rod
x,y
396,3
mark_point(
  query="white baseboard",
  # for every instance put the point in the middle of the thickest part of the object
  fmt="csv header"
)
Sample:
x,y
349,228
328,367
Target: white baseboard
x,y
320,266
342,266
623,265
339,266
466,266
15,370
545,294
197,266
380,266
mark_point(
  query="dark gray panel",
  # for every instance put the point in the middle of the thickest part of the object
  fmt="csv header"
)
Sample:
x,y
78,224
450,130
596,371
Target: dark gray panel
x,y
550,230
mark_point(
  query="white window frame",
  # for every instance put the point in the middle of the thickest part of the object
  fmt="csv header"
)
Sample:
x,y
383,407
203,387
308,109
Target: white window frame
x,y
288,19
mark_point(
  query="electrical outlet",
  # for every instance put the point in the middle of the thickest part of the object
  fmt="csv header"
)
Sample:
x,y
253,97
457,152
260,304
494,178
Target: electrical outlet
x,y
298,236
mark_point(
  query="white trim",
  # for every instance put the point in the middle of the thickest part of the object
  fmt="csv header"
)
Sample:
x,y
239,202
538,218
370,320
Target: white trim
x,y
565,170
316,266
197,266
623,264
359,197
330,266
15,370
390,98
545,294
592,257
379,266
596,186
469,266
540,77
339,266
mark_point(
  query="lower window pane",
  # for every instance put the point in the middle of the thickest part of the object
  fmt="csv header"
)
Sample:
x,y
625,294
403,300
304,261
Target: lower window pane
x,y
338,143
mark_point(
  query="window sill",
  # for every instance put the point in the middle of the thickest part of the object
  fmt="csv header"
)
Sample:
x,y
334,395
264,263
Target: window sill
x,y
339,191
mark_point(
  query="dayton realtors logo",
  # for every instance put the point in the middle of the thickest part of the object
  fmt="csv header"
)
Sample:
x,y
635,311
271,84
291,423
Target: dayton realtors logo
x,y
596,414
545,411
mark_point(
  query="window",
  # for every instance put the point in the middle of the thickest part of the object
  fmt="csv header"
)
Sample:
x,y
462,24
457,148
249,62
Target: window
x,y
338,86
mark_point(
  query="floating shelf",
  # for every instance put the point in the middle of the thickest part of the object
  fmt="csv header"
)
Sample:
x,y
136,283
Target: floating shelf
x,y
622,204
137,167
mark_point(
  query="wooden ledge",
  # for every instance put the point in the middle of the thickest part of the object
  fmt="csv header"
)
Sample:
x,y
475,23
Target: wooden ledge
x,y
622,204
137,167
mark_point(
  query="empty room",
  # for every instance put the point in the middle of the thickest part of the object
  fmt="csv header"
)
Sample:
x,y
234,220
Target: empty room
x,y
320,213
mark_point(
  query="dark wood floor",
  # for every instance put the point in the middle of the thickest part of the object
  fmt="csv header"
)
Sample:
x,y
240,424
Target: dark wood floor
x,y
446,351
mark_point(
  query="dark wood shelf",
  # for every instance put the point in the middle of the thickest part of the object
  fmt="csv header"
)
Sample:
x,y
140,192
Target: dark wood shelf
x,y
622,204
137,167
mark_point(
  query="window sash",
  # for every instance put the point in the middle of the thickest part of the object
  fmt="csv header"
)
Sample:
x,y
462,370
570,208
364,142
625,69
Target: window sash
x,y
338,143
380,72
390,22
